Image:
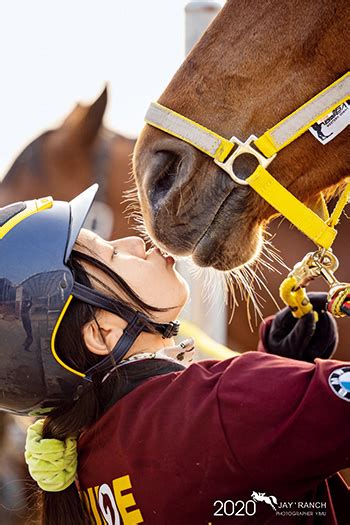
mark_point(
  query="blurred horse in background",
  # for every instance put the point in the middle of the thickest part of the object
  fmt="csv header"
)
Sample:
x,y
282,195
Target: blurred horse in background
x,y
64,161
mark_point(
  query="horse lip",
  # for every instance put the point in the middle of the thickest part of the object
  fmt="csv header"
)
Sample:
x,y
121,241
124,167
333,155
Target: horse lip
x,y
203,253
209,253
209,248
211,224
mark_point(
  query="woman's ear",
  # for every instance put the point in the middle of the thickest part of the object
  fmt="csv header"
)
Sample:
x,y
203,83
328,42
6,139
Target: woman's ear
x,y
102,333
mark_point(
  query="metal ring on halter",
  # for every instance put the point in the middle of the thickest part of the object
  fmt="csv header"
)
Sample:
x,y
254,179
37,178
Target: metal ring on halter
x,y
243,148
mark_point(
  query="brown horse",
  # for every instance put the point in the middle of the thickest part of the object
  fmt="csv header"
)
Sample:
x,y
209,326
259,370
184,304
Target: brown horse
x,y
62,162
257,63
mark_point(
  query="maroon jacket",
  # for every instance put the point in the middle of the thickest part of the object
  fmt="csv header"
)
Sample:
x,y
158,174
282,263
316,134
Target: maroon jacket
x,y
191,447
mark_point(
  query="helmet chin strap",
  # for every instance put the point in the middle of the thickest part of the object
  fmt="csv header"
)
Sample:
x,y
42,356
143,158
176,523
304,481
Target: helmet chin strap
x,y
137,323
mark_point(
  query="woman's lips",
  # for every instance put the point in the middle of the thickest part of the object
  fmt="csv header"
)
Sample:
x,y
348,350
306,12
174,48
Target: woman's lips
x,y
170,260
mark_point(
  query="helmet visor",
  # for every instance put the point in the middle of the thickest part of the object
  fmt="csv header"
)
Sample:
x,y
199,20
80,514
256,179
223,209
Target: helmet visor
x,y
79,209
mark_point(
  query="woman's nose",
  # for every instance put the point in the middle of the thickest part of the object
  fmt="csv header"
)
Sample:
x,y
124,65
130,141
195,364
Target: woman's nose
x,y
131,245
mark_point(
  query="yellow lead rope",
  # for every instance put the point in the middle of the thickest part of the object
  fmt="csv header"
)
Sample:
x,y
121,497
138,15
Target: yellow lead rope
x,y
296,298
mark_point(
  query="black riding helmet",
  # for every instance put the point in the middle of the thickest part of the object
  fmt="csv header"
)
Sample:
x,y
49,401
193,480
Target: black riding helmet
x,y
36,287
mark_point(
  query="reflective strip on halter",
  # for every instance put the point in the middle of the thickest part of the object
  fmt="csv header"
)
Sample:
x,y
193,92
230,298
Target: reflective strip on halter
x,y
189,131
291,127
272,141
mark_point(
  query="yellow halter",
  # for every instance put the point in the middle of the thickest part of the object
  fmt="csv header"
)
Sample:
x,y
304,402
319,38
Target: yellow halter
x,y
224,152
265,148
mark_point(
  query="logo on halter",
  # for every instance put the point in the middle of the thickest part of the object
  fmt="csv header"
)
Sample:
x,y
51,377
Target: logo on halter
x,y
327,128
339,381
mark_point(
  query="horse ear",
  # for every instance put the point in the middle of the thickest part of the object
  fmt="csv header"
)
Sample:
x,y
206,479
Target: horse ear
x,y
81,126
74,118
83,123
92,120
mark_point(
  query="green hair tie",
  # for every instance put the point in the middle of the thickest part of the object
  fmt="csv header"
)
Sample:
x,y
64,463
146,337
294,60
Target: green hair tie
x,y
52,463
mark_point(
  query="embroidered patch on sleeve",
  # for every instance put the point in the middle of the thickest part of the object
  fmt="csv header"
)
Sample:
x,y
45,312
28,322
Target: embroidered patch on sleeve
x,y
339,381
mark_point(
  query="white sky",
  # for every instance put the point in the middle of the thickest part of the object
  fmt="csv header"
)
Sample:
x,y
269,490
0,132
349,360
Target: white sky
x,y
54,53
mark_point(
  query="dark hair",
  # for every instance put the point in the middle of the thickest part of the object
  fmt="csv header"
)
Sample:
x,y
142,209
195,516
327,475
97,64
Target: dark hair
x,y
66,507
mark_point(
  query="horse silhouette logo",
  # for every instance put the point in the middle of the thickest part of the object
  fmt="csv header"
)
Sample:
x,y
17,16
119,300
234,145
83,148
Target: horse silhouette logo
x,y
318,128
261,496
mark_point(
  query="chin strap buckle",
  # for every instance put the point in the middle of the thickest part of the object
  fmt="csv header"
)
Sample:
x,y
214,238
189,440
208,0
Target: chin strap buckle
x,y
171,329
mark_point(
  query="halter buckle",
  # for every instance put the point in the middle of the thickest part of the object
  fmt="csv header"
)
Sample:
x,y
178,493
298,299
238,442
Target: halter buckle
x,y
243,148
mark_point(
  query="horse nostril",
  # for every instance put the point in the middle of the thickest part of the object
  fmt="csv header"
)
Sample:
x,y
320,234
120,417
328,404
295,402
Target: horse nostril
x,y
165,170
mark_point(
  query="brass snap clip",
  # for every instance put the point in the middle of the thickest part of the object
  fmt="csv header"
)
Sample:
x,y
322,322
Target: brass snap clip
x,y
315,264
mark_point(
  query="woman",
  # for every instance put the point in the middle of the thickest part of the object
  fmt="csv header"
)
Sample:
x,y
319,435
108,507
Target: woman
x,y
86,330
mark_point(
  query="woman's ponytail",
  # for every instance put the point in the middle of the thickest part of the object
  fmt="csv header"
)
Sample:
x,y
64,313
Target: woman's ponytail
x,y
66,507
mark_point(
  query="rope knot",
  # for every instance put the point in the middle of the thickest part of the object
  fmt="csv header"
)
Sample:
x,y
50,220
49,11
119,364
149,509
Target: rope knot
x,y
296,298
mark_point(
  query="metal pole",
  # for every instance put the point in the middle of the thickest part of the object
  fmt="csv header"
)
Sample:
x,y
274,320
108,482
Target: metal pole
x,y
212,318
198,16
